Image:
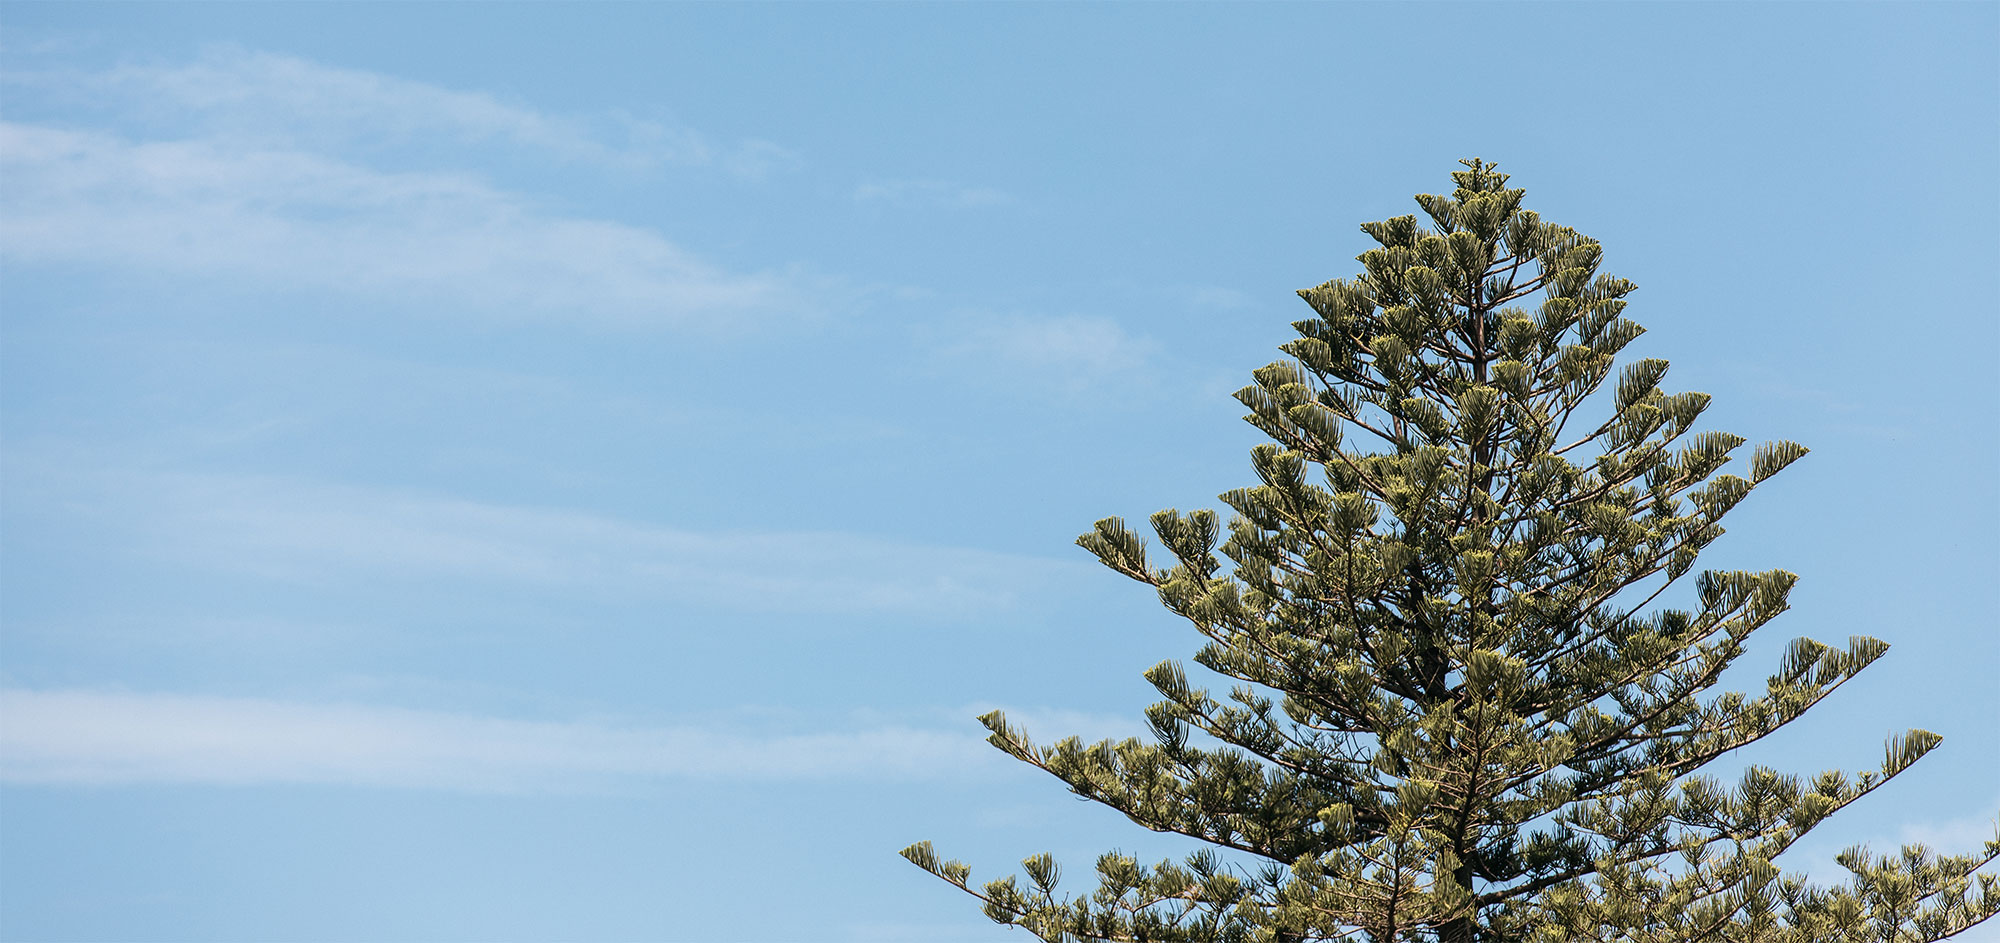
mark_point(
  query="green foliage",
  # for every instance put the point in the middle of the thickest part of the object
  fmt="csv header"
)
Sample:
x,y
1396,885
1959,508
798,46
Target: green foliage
x,y
1459,714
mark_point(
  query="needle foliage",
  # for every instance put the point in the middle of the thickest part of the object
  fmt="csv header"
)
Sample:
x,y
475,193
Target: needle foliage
x,y
1463,708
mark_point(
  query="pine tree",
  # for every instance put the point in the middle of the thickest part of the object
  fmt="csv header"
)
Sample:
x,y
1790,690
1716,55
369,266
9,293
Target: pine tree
x,y
1464,711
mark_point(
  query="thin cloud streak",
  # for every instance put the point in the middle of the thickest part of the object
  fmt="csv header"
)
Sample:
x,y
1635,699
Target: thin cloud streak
x,y
277,100
81,737
929,193
296,220
1956,836
316,533
1068,354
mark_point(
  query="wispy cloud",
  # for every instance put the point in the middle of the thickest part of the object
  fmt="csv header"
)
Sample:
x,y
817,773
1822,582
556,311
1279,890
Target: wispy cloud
x,y
1221,299
277,173
1966,834
929,193
1961,835
95,737
323,534
297,220
1066,354
273,100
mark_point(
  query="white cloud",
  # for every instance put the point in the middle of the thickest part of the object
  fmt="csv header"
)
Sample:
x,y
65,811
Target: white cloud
x,y
93,737
316,533
1957,836
274,100
296,220
929,193
1066,353
1815,854
1225,299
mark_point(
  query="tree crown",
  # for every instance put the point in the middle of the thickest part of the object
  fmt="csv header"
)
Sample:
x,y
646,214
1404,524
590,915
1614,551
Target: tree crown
x,y
1462,709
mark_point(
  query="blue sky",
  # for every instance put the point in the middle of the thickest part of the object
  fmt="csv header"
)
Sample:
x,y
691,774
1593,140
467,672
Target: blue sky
x,y
574,472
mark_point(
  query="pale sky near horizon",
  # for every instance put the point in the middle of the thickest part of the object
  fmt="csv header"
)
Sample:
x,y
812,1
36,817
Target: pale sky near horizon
x,y
535,472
